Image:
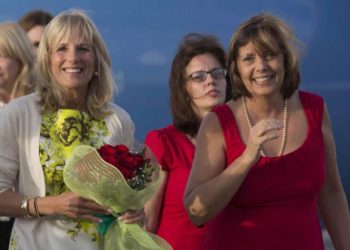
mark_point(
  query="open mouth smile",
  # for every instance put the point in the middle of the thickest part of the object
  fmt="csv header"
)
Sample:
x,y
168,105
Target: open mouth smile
x,y
263,80
73,70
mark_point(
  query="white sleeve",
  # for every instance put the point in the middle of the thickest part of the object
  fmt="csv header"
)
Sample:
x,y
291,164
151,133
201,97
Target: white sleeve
x,y
121,127
9,147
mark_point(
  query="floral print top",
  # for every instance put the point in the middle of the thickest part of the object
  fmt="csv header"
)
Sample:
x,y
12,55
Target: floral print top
x,y
61,132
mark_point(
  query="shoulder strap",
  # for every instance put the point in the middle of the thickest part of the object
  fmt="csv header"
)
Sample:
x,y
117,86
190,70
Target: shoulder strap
x,y
229,129
313,106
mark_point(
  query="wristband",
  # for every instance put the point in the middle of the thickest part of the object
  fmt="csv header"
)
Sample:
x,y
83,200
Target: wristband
x,y
25,208
36,206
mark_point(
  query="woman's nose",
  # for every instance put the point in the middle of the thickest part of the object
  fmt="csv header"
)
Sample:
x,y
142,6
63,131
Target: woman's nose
x,y
261,64
72,55
210,80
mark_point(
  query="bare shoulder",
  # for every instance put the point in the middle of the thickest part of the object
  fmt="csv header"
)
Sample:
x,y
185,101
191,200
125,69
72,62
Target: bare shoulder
x,y
294,102
210,132
211,122
235,105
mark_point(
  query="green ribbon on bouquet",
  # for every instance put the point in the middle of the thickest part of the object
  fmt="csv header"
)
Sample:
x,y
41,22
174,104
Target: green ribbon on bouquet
x,y
88,175
107,220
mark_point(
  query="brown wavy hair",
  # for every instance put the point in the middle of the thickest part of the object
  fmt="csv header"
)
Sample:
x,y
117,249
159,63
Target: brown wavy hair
x,y
265,31
34,18
193,44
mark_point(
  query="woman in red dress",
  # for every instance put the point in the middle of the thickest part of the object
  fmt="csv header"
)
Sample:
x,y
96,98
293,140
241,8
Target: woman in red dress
x,y
265,162
197,84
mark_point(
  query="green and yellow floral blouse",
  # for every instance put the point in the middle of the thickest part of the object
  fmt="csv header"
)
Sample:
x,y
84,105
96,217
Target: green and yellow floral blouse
x,y
61,132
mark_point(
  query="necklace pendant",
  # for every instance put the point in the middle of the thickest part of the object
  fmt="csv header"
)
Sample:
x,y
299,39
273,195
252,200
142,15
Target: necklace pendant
x,y
284,128
262,153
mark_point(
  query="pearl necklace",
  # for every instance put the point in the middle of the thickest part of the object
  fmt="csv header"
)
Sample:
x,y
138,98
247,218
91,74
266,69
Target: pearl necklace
x,y
284,129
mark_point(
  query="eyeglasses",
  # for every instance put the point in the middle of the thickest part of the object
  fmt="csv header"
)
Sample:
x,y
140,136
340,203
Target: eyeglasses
x,y
201,76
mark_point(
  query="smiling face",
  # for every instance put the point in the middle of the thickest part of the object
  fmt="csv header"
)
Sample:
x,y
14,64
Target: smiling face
x,y
261,73
73,65
207,93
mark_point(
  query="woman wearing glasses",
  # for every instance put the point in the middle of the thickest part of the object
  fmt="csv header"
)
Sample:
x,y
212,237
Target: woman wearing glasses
x,y
197,84
265,163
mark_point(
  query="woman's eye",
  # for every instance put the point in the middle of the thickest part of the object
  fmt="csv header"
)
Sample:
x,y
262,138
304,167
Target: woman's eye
x,y
270,55
60,49
197,78
248,59
83,49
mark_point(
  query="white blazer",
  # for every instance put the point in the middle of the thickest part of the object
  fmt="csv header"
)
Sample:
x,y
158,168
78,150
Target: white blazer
x,y
20,167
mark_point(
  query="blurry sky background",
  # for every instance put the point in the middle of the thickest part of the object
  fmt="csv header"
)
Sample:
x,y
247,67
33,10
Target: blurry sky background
x,y
142,37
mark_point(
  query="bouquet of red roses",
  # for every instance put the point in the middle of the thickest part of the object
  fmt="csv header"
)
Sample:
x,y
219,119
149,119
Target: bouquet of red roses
x,y
117,178
135,167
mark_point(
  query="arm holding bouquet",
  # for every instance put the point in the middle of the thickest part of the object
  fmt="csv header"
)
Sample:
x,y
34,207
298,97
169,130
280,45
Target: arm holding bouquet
x,y
114,176
67,203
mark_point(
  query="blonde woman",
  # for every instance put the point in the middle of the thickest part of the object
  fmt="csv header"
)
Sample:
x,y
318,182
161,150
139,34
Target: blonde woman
x,y
38,133
16,62
16,79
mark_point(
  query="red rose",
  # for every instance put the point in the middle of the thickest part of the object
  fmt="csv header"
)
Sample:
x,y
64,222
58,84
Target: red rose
x,y
139,161
119,149
106,150
127,172
110,159
127,163
127,160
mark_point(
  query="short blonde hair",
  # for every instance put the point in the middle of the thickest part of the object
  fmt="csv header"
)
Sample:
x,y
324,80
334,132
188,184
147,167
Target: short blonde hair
x,y
15,44
75,24
267,33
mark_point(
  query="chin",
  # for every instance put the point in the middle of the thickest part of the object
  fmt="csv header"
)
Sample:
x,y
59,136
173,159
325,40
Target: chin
x,y
216,103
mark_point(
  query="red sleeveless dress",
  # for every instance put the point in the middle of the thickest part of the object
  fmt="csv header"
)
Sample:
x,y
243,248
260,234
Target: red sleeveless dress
x,y
276,205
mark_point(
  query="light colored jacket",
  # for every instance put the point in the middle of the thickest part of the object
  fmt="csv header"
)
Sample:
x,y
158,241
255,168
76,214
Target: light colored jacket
x,y
20,167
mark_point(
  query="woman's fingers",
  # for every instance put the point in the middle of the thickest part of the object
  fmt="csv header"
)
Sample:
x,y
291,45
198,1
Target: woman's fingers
x,y
91,217
75,206
263,131
92,206
132,216
266,125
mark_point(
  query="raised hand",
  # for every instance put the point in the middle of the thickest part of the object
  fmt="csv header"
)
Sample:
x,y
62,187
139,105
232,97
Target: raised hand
x,y
260,133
